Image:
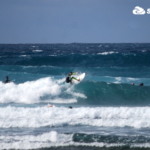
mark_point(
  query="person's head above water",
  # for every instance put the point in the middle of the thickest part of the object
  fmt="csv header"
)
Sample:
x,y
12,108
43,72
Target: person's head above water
x,y
141,84
7,80
70,73
70,107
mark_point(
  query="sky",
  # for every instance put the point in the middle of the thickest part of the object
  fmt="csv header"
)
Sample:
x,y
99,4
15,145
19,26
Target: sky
x,y
74,21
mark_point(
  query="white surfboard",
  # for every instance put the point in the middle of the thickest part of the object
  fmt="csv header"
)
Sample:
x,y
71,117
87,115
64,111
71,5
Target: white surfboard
x,y
80,77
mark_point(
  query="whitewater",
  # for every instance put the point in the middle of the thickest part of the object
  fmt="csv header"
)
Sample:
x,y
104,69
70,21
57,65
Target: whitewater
x,y
40,111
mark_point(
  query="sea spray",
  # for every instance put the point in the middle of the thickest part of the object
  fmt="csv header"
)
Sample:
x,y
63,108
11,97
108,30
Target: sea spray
x,y
61,116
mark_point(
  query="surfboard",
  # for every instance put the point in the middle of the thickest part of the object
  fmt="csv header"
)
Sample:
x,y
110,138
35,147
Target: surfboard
x,y
80,77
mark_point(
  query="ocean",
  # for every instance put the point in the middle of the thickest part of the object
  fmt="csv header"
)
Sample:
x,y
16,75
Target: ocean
x,y
108,112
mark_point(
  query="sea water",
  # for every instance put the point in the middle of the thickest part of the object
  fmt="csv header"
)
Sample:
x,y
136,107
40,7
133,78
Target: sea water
x,y
108,112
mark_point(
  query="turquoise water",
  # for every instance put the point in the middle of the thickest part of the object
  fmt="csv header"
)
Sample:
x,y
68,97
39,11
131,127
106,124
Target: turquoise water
x,y
107,110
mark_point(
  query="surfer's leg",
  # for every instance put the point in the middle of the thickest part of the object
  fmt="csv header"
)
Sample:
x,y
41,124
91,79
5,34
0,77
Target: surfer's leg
x,y
71,82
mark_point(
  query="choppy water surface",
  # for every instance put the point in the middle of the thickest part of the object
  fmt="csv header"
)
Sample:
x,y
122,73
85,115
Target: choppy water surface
x,y
108,112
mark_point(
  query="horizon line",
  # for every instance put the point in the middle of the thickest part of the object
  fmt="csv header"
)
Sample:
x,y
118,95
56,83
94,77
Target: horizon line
x,y
81,43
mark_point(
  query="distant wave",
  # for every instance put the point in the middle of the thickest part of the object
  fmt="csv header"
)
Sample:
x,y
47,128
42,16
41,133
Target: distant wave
x,y
37,50
107,53
83,59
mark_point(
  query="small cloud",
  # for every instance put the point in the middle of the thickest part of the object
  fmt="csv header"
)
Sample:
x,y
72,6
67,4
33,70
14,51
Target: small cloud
x,y
138,11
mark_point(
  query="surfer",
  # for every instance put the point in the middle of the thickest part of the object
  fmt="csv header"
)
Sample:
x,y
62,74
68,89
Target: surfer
x,y
69,78
7,80
70,107
141,84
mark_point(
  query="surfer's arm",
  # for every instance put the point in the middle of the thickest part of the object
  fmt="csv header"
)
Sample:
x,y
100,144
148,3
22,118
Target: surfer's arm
x,y
74,73
75,78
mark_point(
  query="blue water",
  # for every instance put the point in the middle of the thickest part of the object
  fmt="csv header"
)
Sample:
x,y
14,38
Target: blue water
x,y
108,111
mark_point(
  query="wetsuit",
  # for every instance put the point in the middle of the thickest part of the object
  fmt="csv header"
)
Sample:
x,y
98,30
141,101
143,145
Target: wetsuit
x,y
7,81
69,78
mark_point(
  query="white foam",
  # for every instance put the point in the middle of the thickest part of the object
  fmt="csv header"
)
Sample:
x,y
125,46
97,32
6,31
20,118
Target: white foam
x,y
52,139
129,80
37,50
107,53
28,92
23,55
53,55
71,91
31,141
35,91
137,117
